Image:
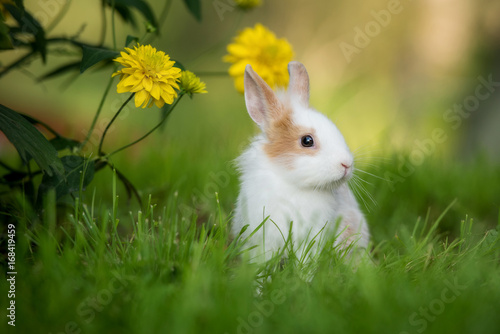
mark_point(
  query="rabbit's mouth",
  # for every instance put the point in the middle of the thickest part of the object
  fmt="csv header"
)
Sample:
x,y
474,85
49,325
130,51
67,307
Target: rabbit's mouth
x,y
347,174
345,178
333,184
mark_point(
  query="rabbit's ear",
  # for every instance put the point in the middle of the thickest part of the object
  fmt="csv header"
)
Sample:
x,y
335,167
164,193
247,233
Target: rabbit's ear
x,y
260,99
298,88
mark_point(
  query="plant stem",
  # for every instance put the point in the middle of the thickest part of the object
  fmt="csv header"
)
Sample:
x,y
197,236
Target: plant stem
x,y
164,12
111,122
113,30
10,169
102,38
71,41
45,125
59,16
150,131
216,47
17,63
161,20
99,109
32,53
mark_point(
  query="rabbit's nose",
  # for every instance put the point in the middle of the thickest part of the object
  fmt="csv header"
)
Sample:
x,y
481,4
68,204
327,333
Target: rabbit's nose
x,y
345,165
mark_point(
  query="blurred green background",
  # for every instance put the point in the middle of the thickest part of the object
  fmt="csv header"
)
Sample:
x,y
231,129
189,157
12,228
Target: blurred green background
x,y
410,69
401,80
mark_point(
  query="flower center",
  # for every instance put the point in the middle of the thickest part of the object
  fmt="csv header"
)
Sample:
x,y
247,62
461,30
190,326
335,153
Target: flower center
x,y
152,65
148,71
269,54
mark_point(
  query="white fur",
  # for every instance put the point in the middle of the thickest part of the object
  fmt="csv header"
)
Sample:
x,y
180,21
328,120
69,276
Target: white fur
x,y
311,191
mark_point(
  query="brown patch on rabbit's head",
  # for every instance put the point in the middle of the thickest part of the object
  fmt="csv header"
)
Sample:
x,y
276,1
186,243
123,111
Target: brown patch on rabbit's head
x,y
284,136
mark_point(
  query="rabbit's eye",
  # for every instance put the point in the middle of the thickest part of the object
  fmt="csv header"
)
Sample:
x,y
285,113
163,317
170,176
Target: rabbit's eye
x,y
307,141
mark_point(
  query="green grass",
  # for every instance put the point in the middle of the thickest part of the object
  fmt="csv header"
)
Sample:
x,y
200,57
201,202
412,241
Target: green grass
x,y
110,267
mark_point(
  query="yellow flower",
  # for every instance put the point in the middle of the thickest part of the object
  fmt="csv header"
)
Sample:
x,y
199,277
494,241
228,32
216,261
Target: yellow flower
x,y
191,84
148,73
268,55
248,4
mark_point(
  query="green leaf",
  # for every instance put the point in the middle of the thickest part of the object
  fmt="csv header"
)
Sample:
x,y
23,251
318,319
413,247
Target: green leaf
x,y
60,70
35,121
13,178
28,24
75,168
129,187
29,142
194,6
61,143
179,65
5,41
126,14
140,5
20,4
131,39
92,56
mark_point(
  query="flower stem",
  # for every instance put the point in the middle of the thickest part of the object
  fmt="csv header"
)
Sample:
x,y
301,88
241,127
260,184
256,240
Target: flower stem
x,y
161,20
164,12
111,122
99,109
150,131
113,29
17,63
102,38
59,16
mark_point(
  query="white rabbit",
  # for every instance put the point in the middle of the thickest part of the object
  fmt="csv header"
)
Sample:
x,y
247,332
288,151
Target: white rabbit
x,y
295,170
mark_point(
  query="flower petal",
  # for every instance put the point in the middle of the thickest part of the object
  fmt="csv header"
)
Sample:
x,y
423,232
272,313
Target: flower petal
x,y
159,103
259,47
148,73
156,91
141,98
130,80
147,82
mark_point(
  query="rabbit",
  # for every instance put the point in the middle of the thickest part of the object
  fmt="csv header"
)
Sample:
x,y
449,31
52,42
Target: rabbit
x,y
296,170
